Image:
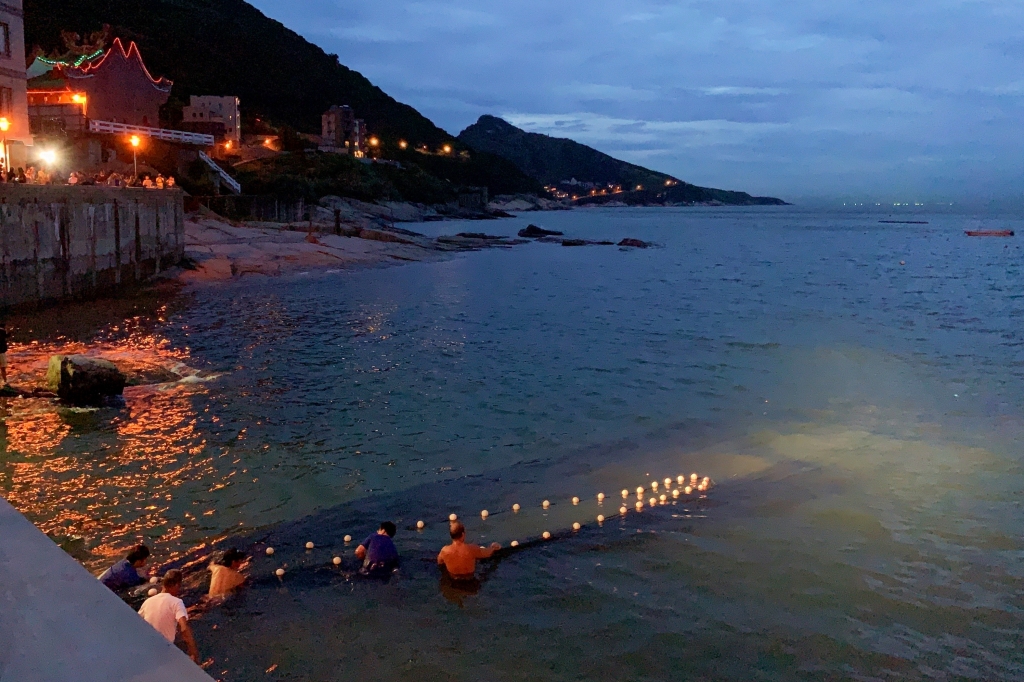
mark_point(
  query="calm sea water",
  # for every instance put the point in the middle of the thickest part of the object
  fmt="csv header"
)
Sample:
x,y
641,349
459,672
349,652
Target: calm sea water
x,y
861,419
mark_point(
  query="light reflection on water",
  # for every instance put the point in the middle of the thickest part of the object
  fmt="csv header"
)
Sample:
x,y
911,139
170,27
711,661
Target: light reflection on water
x,y
861,418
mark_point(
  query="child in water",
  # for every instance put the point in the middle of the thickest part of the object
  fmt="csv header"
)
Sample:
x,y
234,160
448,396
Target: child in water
x,y
225,574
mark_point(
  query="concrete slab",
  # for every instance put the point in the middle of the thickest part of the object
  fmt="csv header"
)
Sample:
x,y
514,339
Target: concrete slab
x,y
59,623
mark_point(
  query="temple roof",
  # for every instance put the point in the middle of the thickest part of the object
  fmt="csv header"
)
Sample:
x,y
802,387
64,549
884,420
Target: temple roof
x,y
114,57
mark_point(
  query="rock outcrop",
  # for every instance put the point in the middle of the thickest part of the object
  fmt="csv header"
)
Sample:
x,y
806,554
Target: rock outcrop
x,y
635,243
83,380
534,232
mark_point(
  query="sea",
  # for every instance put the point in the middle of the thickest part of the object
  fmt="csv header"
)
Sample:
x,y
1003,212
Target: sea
x,y
852,389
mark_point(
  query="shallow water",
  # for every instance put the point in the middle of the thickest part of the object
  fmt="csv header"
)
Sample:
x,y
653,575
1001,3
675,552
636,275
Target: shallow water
x,y
861,420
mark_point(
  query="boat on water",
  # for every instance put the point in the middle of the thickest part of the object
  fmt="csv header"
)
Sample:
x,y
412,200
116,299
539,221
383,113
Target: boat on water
x,y
989,233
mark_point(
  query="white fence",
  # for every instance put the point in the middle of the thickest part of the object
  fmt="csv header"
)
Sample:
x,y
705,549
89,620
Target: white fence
x,y
111,128
221,173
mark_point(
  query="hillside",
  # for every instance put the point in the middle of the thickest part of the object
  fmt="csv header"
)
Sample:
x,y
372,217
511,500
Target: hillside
x,y
551,160
227,47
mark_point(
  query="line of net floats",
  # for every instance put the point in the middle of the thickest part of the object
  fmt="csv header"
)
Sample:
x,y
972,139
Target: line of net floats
x,y
661,492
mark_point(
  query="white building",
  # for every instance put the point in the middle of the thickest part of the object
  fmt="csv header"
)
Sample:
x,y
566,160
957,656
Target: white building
x,y
13,91
208,112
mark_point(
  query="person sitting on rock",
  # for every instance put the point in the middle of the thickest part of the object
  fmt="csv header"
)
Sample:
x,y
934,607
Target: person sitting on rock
x,y
459,558
377,551
125,573
226,574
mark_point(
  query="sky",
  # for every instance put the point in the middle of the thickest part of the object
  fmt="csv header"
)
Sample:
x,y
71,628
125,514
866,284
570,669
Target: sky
x,y
860,100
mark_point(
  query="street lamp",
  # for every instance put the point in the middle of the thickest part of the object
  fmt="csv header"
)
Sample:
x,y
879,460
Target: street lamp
x,y
135,152
5,125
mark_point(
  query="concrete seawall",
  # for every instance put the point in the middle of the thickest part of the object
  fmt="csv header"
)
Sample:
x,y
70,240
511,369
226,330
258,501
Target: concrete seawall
x,y
60,243
59,623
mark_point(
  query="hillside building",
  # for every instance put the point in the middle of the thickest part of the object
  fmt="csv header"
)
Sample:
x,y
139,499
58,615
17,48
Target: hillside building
x,y
342,132
13,90
214,115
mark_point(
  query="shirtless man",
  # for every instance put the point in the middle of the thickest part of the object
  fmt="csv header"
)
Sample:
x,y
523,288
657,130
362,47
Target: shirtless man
x,y
458,558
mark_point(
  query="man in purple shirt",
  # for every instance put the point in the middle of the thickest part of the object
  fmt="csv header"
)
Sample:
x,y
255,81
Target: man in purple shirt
x,y
125,573
377,552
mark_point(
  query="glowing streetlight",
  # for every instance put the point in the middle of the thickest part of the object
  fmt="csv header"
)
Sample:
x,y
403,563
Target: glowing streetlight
x,y
48,156
402,144
135,142
374,142
447,149
78,98
5,125
227,145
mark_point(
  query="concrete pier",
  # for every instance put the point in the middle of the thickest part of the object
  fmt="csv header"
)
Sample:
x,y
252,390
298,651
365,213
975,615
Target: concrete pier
x,y
59,623
60,242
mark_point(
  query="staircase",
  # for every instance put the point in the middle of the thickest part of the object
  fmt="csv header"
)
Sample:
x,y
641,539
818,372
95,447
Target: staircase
x,y
226,179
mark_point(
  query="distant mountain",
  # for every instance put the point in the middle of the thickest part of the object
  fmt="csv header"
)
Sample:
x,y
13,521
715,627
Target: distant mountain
x,y
552,160
228,47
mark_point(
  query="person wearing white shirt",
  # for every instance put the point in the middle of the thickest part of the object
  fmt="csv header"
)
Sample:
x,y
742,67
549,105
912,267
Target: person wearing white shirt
x,y
166,613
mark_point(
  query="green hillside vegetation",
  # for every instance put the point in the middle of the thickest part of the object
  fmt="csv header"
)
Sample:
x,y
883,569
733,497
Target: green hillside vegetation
x,y
551,160
421,178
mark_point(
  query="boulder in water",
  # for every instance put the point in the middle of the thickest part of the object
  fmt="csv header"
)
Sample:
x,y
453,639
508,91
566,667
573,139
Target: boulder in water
x,y
83,380
636,243
533,232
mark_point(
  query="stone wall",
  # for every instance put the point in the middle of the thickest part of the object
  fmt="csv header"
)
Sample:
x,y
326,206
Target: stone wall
x,y
61,242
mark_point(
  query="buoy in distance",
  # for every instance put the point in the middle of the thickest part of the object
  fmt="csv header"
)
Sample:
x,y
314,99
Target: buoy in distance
x,y
576,526
420,525
154,580
622,509
279,572
693,478
270,550
453,518
600,497
336,560
575,500
640,490
484,514
514,543
668,483
600,518
681,480
675,493
309,545
152,592
625,493
639,504
516,507
545,504
653,501
687,490
348,539
662,497
546,535
654,485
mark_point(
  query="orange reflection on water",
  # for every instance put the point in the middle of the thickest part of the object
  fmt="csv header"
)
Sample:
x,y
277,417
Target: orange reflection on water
x,y
107,476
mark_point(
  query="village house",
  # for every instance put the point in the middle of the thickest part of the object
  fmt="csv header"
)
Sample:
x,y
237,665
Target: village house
x,y
342,132
13,90
214,115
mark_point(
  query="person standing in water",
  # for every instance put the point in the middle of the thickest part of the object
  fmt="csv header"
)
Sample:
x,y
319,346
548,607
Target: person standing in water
x,y
459,558
225,575
3,352
377,551
166,613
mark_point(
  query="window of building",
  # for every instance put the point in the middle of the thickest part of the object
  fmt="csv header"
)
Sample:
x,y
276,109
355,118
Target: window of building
x,y
7,102
5,39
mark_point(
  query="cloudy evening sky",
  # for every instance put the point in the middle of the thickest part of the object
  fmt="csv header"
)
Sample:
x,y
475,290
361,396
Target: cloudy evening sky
x,y
887,99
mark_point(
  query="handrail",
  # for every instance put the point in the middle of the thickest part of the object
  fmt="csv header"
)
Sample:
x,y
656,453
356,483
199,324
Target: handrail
x,y
225,178
184,137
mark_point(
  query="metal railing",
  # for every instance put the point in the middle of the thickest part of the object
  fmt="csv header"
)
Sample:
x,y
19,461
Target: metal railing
x,y
221,173
181,136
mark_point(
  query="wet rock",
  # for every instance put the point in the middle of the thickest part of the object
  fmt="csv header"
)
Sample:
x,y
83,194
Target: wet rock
x,y
476,235
574,242
533,232
82,380
636,243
